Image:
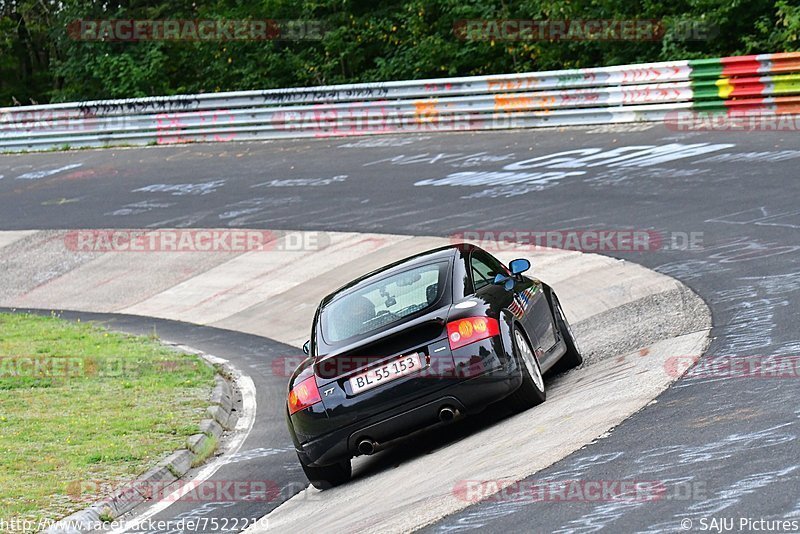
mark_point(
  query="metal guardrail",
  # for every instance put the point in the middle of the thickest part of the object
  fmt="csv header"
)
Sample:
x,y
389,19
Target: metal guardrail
x,y
765,84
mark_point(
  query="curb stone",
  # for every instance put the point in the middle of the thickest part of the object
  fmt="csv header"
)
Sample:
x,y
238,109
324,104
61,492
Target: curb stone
x,y
218,414
155,477
222,394
179,462
171,468
211,428
197,443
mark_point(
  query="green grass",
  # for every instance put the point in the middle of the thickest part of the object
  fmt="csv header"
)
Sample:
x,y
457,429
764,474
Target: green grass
x,y
81,407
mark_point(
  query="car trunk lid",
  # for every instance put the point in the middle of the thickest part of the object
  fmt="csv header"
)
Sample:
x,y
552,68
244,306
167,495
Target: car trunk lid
x,y
424,338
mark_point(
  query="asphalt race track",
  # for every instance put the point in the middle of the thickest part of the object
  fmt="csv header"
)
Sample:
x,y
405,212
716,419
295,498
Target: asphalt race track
x,y
631,322
726,204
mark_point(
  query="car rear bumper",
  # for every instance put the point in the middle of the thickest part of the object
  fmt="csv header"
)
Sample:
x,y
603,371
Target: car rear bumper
x,y
468,396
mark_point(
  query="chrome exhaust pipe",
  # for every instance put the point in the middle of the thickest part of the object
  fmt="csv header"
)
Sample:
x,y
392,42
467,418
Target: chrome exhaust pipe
x,y
367,446
448,414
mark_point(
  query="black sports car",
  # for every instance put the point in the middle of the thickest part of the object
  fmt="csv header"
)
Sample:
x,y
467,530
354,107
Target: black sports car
x,y
418,343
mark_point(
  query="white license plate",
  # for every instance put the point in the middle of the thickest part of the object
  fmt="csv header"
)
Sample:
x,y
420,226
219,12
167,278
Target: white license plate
x,y
405,365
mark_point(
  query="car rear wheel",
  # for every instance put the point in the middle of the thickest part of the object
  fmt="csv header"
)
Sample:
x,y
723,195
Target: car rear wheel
x,y
573,357
328,476
531,392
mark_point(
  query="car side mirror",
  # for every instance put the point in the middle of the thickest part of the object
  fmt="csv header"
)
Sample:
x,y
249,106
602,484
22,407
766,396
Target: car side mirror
x,y
505,281
519,266
306,346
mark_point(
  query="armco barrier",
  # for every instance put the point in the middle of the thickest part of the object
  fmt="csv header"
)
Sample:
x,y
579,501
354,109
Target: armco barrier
x,y
765,84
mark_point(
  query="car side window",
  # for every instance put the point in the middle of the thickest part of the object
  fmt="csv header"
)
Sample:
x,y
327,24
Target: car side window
x,y
484,268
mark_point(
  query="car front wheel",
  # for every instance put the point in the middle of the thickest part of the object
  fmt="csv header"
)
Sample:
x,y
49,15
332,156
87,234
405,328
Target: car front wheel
x,y
531,392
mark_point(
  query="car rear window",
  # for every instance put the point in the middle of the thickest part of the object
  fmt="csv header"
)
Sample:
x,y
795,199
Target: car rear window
x,y
384,302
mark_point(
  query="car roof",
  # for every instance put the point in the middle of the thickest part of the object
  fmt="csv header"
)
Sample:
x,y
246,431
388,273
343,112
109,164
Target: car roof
x,y
440,253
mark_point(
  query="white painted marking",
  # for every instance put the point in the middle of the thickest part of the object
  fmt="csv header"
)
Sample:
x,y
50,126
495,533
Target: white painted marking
x,y
761,216
378,142
136,208
565,164
641,156
615,128
753,157
476,178
203,188
36,175
301,182
454,159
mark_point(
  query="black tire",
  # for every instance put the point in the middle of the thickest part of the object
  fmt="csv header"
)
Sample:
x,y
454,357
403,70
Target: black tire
x,y
532,391
328,476
573,357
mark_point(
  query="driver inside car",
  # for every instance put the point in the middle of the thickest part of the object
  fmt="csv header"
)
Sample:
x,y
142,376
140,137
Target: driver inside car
x,y
353,314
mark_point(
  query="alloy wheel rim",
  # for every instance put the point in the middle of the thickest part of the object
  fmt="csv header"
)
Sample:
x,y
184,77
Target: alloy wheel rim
x,y
530,361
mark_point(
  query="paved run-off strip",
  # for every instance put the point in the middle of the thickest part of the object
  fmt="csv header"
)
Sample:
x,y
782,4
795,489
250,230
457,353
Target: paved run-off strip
x,y
632,322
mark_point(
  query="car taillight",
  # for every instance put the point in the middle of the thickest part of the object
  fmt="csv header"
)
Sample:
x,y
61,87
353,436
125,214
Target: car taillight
x,y
303,395
471,329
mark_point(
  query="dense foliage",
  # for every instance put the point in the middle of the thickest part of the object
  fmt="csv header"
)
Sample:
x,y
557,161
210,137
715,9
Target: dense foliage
x,y
363,40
